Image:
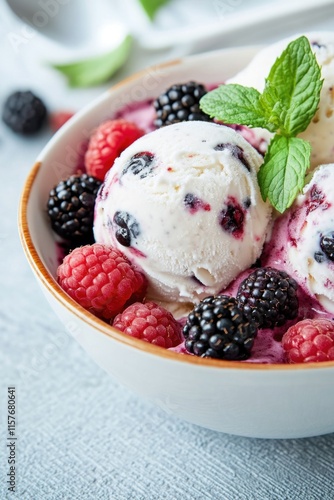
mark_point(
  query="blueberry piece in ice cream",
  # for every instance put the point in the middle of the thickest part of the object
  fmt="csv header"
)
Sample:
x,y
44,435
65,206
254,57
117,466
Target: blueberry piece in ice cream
x,y
317,45
236,151
193,203
141,164
247,203
126,228
319,257
327,244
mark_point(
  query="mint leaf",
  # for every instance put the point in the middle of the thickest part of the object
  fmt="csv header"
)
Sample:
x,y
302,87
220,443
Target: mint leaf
x,y
281,176
234,103
273,107
151,6
96,70
292,92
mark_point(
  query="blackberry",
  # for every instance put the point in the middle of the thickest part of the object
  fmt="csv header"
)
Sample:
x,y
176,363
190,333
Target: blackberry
x,y
268,297
327,245
180,103
217,328
24,112
71,208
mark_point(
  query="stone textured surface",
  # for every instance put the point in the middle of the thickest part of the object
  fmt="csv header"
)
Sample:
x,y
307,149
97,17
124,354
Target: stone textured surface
x,y
80,434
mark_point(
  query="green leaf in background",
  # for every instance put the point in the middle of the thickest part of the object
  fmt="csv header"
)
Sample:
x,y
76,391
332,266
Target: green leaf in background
x,y
281,176
151,6
98,69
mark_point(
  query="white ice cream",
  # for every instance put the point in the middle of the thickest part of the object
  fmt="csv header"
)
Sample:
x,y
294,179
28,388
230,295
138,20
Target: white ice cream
x,y
320,132
183,204
311,219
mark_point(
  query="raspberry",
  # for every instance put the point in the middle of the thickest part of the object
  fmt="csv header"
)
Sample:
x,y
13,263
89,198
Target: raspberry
x,y
58,118
24,112
101,279
309,340
107,143
217,328
151,323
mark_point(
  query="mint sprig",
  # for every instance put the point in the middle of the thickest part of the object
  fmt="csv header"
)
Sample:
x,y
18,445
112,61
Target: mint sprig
x,y
286,106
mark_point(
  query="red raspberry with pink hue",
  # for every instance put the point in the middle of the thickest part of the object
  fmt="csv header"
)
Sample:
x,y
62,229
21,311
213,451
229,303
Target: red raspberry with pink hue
x,y
59,118
101,279
310,340
151,323
107,143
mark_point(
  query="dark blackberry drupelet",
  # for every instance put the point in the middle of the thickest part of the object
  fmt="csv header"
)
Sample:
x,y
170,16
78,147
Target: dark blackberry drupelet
x,y
268,297
217,328
327,245
180,103
71,208
24,112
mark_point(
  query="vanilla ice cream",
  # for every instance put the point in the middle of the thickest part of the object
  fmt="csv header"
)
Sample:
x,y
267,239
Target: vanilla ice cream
x,y
183,204
320,132
310,247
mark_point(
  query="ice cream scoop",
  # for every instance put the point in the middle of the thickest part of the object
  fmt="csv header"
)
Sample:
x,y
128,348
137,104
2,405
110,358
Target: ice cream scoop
x,y
310,247
320,131
183,203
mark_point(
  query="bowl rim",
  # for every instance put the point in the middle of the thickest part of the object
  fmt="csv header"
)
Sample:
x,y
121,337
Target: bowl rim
x,y
65,300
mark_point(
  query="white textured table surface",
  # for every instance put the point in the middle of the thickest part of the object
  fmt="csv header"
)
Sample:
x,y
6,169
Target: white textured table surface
x,y
80,435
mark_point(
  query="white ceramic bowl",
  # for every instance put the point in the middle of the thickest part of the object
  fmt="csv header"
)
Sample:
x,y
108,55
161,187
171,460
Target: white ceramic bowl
x,y
268,401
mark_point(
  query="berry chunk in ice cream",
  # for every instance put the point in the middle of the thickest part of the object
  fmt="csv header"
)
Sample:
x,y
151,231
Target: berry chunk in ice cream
x,y
183,204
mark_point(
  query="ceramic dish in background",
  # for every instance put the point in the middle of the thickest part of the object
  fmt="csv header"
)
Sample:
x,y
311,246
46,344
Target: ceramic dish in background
x,y
267,401
105,23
